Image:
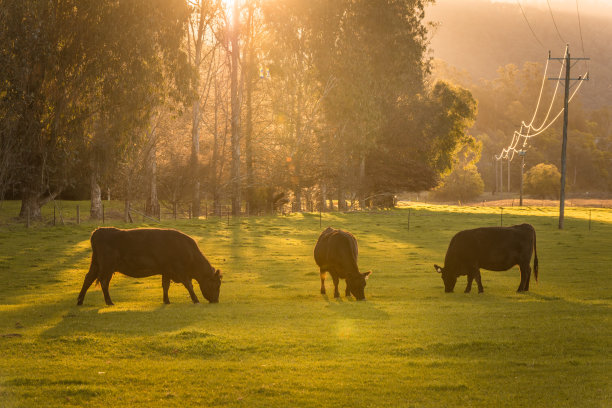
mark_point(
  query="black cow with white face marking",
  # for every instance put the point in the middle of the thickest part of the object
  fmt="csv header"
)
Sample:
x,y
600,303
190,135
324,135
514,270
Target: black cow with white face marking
x,y
150,251
491,248
336,252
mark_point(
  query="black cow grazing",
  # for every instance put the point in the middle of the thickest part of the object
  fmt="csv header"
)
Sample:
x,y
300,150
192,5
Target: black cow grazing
x,y
336,253
146,252
492,248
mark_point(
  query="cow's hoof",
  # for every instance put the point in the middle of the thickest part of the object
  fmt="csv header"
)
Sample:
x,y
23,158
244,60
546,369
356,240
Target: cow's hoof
x,y
480,291
467,291
166,302
80,303
322,292
110,304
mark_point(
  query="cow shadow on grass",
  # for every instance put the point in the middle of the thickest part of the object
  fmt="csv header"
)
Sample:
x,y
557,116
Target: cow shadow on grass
x,y
42,262
353,309
142,318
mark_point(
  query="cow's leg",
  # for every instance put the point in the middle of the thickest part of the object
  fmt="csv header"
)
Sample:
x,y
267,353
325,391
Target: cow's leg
x,y
322,273
347,291
189,287
525,275
478,281
89,279
104,283
166,286
336,282
470,278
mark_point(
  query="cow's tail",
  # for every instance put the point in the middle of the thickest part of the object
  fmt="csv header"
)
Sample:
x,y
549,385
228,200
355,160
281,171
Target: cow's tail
x,y
535,257
94,266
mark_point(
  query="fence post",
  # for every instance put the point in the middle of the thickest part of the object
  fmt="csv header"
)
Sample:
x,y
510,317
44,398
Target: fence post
x,y
174,210
409,219
54,213
28,218
501,217
78,214
589,220
102,213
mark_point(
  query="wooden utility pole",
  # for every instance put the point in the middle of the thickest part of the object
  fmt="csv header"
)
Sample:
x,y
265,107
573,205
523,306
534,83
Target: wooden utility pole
x,y
522,154
568,61
508,173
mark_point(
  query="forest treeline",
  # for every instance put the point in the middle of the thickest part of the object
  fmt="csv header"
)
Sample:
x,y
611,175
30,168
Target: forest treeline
x,y
252,103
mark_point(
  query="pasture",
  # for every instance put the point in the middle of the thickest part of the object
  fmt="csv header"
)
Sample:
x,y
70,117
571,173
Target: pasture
x,y
274,341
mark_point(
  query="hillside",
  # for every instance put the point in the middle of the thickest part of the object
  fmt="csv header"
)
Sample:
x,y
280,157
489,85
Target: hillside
x,y
479,37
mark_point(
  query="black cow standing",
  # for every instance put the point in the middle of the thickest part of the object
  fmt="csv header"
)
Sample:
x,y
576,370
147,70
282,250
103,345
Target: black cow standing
x,y
336,252
492,248
145,252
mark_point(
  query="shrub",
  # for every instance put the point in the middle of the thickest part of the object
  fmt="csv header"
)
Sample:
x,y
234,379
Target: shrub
x,y
463,184
543,181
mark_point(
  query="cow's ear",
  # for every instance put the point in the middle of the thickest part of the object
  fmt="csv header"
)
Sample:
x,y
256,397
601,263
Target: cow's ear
x,y
367,274
438,269
218,273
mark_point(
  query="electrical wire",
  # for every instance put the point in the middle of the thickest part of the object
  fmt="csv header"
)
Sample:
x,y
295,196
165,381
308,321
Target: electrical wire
x,y
552,101
508,153
554,22
529,25
580,29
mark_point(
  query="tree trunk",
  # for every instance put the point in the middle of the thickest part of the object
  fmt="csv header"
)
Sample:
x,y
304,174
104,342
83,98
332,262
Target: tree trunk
x,y
30,205
214,160
323,197
248,145
152,200
195,125
362,187
195,165
95,211
235,173
341,201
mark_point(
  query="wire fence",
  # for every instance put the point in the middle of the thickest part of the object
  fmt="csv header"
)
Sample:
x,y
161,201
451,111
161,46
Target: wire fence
x,y
506,211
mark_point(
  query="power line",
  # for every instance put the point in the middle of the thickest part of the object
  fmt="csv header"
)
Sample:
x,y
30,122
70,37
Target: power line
x,y
580,29
527,21
554,22
518,136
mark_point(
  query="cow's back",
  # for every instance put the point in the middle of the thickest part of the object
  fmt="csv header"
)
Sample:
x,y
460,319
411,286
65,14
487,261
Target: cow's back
x,y
492,248
337,250
143,252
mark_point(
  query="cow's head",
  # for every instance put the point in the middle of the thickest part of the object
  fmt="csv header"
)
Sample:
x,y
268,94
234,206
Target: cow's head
x,y
357,284
449,279
210,286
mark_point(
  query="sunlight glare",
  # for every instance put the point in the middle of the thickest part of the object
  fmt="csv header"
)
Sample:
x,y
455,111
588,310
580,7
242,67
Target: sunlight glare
x,y
228,8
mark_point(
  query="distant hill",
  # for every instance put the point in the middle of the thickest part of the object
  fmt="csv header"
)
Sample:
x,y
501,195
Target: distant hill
x,y
478,36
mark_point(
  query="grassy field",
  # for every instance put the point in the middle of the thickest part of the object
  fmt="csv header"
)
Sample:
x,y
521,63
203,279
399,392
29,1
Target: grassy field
x,y
274,341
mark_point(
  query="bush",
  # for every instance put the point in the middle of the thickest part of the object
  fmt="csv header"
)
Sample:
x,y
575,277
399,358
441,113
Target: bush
x,y
543,181
463,184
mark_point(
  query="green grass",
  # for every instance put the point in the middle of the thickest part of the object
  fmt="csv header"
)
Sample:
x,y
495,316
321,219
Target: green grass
x,y
274,341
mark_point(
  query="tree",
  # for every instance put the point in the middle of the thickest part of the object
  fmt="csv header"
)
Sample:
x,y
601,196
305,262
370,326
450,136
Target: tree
x,y
543,181
422,139
74,70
